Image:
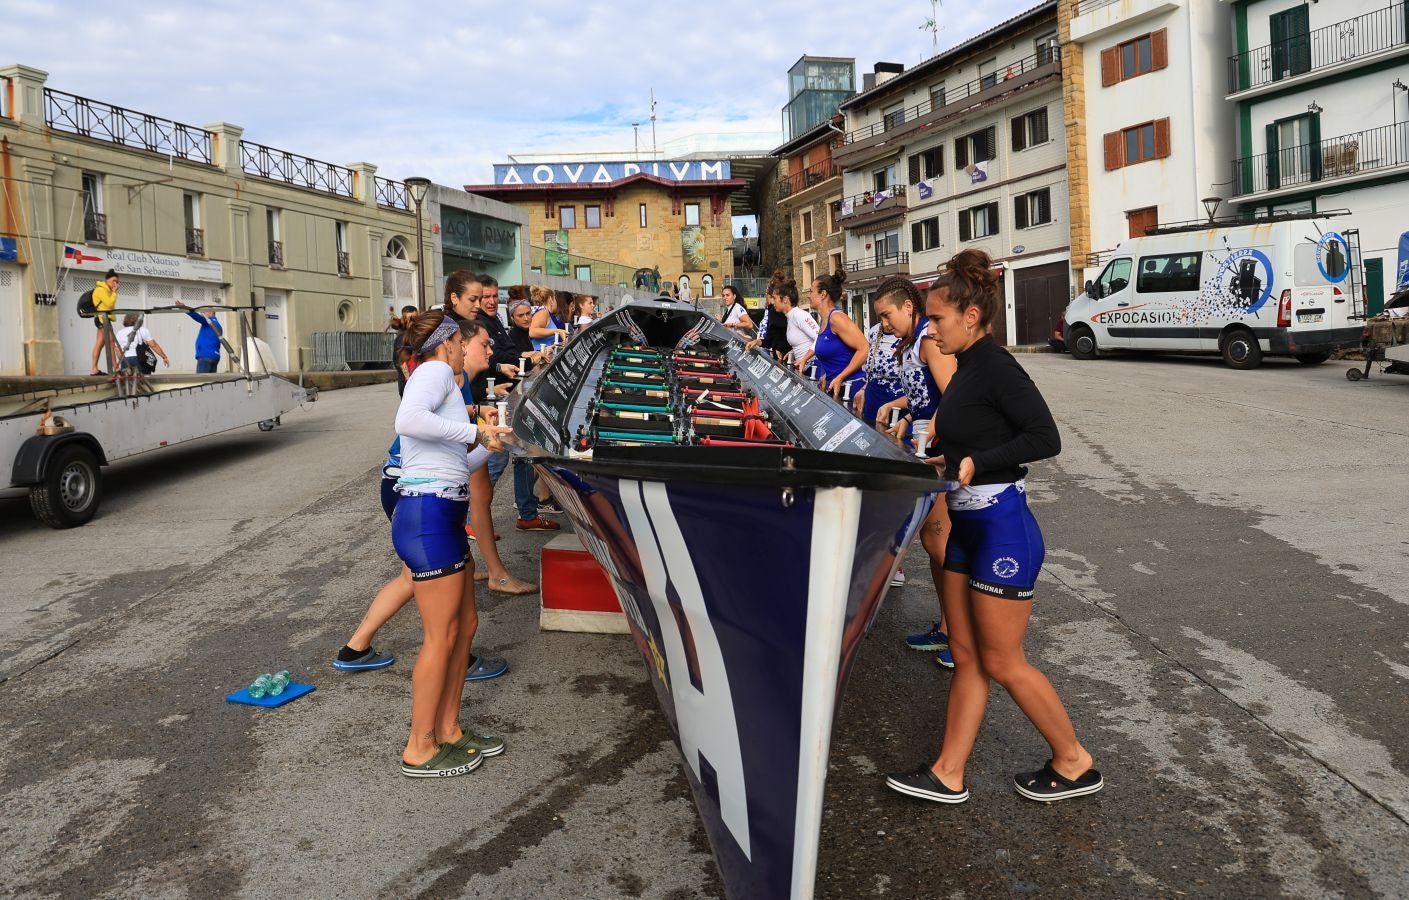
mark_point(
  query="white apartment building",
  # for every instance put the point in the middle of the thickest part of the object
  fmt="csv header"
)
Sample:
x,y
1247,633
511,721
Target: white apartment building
x,y
966,149
1147,94
1320,93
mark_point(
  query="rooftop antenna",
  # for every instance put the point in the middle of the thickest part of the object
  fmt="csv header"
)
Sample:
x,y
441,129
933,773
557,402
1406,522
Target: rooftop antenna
x,y
932,25
653,123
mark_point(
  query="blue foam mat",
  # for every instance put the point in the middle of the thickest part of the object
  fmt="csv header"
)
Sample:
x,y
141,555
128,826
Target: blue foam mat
x,y
292,692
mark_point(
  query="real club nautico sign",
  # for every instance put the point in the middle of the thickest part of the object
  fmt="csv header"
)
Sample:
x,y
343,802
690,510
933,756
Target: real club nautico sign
x,y
606,173
141,262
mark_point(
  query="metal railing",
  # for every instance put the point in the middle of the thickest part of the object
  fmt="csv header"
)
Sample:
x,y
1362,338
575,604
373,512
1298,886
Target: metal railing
x,y
340,351
1045,57
276,253
892,198
391,193
746,287
291,168
1337,157
95,227
1086,6
344,263
1327,46
195,241
568,265
814,174
105,122
880,260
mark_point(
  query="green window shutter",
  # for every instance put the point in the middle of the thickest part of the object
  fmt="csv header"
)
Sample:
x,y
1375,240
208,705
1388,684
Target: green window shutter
x,y
1314,130
1274,175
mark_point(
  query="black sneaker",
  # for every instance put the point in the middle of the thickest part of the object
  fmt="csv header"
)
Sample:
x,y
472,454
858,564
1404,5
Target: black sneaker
x,y
1046,785
924,784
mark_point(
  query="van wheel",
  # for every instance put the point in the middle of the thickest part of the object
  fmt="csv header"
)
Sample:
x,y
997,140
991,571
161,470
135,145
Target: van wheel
x,y
1240,349
1312,359
71,489
1081,342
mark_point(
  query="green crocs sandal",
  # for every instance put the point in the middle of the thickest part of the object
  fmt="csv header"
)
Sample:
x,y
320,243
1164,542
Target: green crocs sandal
x,y
486,744
447,763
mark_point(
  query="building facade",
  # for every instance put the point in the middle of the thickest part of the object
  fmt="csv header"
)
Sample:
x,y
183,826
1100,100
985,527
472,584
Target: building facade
x,y
626,223
965,150
1150,135
809,196
291,245
1320,94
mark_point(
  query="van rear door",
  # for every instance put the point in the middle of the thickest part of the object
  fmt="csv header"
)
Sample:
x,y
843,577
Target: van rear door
x,y
1322,296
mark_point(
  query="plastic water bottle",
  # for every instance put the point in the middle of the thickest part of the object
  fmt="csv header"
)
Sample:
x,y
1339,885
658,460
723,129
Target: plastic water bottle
x,y
278,683
262,685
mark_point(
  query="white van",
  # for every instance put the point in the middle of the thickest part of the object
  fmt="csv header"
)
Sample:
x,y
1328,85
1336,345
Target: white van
x,y
1284,288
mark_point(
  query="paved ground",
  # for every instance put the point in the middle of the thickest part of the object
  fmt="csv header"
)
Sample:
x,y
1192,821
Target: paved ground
x,y
1225,610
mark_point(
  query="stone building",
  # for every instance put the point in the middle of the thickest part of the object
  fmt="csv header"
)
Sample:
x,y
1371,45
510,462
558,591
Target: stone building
x,y
810,196
292,245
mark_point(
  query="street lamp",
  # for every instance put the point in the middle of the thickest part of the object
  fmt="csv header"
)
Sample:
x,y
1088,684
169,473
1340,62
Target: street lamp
x,y
1211,206
416,189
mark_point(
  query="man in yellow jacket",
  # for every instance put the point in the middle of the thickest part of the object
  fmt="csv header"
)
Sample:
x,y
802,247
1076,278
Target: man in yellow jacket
x,y
104,299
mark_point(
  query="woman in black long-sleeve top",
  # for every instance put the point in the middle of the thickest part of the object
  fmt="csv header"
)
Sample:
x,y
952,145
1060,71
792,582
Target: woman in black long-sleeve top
x,y
991,421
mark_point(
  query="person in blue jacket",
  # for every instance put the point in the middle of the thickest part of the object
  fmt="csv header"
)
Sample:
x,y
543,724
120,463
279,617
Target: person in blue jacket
x,y
208,340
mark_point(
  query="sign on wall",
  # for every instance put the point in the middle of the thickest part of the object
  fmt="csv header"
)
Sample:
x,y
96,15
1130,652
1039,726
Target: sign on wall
x,y
140,262
467,234
606,173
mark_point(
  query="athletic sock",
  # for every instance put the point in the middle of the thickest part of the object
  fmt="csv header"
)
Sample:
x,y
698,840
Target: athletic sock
x,y
347,654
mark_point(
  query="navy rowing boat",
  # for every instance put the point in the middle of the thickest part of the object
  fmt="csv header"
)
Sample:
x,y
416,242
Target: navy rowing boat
x,y
750,526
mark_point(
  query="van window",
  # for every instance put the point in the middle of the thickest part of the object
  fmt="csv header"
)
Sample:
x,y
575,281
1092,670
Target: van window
x,y
1163,274
1115,278
1307,273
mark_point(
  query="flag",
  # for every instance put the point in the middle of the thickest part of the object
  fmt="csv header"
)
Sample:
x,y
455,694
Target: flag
x,y
77,257
978,172
926,190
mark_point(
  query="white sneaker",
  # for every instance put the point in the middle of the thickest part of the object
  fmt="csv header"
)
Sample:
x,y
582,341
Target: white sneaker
x,y
898,579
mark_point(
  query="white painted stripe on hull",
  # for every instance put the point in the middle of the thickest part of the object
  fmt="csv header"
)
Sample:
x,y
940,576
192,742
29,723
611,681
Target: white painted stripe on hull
x,y
836,519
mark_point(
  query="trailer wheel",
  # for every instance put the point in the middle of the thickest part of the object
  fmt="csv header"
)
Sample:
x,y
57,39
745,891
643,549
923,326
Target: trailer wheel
x,y
1353,375
72,486
1312,359
267,425
1082,343
1240,349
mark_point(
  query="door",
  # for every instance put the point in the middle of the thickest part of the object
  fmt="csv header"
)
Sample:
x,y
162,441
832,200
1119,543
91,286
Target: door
x,y
11,322
1113,296
1291,42
276,328
1374,286
1039,298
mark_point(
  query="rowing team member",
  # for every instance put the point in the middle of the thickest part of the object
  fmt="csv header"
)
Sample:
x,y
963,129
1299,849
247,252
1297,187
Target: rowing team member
x,y
990,423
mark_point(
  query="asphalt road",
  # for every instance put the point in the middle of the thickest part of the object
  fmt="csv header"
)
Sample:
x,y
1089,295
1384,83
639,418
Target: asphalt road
x,y
1225,609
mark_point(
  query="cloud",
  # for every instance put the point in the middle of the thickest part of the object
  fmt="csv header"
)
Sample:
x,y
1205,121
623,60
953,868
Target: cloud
x,y
446,88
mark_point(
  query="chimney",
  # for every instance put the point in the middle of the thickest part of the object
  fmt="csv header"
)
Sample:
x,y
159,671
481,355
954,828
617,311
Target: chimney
x,y
885,71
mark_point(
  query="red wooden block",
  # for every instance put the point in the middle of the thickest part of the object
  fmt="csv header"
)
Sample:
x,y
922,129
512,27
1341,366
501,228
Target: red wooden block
x,y
577,594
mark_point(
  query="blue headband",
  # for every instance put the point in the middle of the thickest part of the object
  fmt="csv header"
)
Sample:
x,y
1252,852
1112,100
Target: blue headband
x,y
443,332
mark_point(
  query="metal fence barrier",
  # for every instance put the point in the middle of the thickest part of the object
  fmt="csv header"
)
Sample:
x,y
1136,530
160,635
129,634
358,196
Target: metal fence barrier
x,y
342,351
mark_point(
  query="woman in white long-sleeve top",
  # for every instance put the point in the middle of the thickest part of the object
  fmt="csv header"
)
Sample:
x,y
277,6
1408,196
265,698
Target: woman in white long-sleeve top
x,y
439,447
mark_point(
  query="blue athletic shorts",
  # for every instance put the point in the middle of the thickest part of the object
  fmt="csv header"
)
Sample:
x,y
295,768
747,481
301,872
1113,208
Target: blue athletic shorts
x,y
998,546
428,533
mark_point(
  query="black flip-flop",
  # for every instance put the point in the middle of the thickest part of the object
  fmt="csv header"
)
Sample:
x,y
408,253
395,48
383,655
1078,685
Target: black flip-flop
x,y
1046,784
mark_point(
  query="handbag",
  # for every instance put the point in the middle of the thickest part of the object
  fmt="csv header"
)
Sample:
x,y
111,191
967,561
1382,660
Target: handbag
x,y
146,359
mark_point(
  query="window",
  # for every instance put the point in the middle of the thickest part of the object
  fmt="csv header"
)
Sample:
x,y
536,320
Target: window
x,y
804,220
276,244
582,273
936,95
643,215
836,263
924,235
567,217
340,241
988,73
1030,130
894,116
1163,274
1137,144
692,214
883,178
95,224
927,164
1291,42
887,246
979,146
1293,145
832,225
593,215
1047,48
707,285
978,222
809,273
191,212
1032,209
1135,57
1115,278
1141,220
396,249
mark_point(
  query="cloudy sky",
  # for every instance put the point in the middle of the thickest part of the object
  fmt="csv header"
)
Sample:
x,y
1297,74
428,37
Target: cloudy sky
x,y
446,89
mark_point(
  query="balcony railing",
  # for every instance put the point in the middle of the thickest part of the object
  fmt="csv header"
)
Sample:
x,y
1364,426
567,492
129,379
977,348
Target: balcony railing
x,y
95,227
1337,157
1086,6
391,193
1351,39
291,168
344,263
899,258
105,122
195,241
891,121
892,199
814,174
276,253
